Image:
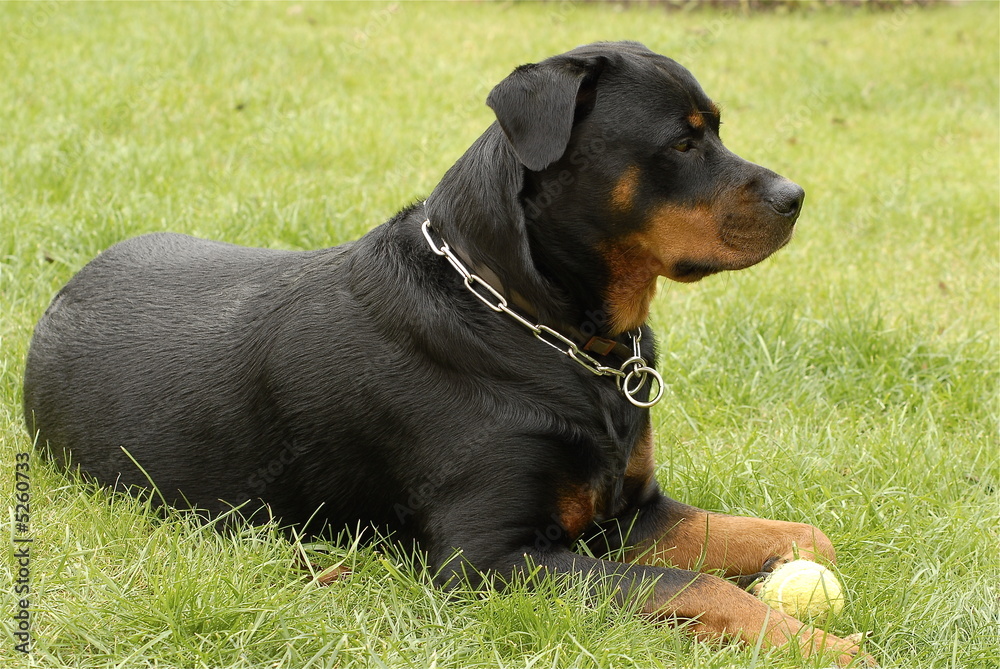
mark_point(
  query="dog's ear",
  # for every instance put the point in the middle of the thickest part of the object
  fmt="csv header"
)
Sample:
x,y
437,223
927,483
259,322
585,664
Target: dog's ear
x,y
538,103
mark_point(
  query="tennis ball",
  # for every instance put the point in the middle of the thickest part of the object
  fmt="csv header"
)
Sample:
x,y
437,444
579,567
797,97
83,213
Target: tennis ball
x,y
803,589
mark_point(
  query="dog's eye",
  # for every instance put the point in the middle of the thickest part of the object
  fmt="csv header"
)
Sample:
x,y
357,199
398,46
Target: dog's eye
x,y
684,146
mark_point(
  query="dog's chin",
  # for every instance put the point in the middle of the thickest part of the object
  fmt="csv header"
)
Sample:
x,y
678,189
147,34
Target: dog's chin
x,y
689,270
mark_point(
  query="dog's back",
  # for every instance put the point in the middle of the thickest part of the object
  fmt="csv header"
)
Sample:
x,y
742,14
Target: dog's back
x,y
172,322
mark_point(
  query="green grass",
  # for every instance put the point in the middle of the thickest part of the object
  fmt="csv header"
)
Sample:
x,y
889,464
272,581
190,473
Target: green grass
x,y
850,382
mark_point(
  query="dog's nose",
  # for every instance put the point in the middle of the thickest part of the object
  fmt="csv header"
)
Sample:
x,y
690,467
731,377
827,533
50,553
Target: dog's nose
x,y
786,199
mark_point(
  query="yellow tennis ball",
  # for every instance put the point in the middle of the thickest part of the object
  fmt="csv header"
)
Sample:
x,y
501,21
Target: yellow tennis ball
x,y
803,589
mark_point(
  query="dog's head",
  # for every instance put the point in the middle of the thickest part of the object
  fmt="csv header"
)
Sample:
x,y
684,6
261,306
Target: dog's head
x,y
619,176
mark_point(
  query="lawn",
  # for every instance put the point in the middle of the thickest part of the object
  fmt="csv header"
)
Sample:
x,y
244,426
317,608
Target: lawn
x,y
850,382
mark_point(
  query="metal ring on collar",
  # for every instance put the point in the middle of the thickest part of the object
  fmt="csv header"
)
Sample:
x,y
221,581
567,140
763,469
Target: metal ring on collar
x,y
642,373
636,363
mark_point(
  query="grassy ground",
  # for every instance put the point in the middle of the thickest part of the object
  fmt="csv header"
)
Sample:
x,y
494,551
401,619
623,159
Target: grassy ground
x,y
850,382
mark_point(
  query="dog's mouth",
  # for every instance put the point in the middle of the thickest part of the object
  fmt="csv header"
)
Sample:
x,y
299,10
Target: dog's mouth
x,y
749,248
733,252
687,244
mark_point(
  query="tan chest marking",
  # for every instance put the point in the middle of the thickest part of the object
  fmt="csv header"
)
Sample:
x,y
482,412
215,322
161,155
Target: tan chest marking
x,y
641,464
576,507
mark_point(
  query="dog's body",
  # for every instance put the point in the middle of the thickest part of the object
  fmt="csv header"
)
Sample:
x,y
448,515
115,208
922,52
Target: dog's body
x,y
367,384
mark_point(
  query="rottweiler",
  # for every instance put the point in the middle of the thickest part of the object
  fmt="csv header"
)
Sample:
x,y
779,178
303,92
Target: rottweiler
x,y
473,376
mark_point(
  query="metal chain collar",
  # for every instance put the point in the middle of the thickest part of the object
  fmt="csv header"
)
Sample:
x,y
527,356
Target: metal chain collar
x,y
631,376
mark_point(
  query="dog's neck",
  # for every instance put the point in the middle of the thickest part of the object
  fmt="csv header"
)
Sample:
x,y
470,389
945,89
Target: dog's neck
x,y
478,278
477,208
493,280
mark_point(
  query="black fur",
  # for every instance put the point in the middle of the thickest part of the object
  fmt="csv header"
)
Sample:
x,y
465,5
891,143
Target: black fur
x,y
363,383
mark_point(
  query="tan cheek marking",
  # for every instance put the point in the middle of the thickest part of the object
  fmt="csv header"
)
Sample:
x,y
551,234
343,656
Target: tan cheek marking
x,y
623,193
576,509
672,234
678,233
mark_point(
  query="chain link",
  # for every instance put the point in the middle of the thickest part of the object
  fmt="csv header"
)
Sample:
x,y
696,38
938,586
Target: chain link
x,y
631,376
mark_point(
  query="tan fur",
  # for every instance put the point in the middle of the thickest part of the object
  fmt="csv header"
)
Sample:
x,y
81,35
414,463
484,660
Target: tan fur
x,y
641,464
717,610
577,506
631,286
673,234
733,545
623,193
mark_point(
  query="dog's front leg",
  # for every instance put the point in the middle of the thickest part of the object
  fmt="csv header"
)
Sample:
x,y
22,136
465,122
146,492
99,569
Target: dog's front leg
x,y
659,531
665,532
713,608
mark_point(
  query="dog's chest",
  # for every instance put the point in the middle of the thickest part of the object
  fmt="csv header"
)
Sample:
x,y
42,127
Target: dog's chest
x,y
619,475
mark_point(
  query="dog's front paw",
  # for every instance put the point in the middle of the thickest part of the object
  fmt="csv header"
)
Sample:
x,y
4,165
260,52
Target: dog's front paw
x,y
848,650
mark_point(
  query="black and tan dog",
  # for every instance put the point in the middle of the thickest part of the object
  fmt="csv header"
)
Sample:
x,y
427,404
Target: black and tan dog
x,y
369,383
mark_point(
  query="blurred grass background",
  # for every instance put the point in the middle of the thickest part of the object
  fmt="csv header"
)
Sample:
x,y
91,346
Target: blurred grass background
x,y
850,382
